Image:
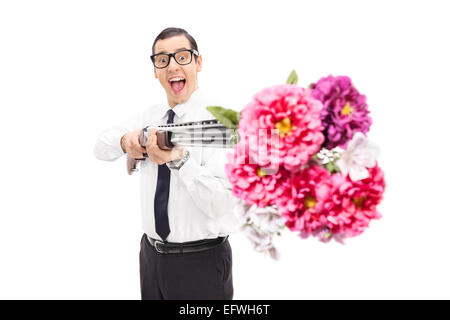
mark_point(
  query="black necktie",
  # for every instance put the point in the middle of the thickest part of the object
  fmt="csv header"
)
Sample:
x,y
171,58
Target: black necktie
x,y
162,195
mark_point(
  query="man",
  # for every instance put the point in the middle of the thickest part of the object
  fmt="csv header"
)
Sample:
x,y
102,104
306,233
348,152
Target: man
x,y
186,206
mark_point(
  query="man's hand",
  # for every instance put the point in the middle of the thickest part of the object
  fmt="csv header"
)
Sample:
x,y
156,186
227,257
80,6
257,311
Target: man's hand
x,y
159,156
130,145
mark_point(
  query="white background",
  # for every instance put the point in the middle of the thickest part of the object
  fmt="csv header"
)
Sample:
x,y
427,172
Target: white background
x,y
70,224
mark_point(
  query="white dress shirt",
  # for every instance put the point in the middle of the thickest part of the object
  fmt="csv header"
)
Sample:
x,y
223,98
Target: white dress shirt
x,y
200,201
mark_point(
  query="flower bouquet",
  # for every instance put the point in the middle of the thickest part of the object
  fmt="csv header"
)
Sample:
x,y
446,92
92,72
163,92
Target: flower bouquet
x,y
303,161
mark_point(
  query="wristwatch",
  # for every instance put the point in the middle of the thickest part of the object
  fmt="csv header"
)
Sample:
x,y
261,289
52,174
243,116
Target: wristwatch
x,y
177,164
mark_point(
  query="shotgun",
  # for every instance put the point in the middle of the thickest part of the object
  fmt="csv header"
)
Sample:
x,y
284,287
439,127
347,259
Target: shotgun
x,y
206,133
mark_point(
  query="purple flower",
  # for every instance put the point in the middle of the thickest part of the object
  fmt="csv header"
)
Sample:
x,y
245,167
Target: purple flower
x,y
345,111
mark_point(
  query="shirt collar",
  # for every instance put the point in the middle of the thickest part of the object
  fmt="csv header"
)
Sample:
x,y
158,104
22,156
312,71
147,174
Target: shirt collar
x,y
181,109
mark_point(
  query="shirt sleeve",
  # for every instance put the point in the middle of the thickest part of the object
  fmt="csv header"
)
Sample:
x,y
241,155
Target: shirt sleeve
x,y
207,183
108,146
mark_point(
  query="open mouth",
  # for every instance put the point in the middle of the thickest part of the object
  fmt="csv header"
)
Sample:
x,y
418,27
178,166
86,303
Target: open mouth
x,y
177,84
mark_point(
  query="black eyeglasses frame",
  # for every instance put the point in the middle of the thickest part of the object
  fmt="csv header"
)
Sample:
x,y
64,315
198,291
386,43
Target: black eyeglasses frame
x,y
172,55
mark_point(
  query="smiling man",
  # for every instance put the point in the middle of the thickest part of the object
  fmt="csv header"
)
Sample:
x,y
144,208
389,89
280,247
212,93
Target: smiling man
x,y
186,206
179,82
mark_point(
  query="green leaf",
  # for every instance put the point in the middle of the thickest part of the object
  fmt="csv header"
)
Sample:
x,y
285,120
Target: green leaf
x,y
293,78
332,167
229,118
235,136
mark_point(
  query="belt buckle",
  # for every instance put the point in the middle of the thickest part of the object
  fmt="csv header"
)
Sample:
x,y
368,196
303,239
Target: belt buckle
x,y
156,246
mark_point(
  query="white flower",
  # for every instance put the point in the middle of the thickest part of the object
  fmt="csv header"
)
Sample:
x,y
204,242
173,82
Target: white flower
x,y
267,218
260,225
359,155
261,240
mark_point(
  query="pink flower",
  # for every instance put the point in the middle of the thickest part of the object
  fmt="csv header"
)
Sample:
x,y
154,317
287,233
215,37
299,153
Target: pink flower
x,y
331,206
253,183
302,204
293,114
352,204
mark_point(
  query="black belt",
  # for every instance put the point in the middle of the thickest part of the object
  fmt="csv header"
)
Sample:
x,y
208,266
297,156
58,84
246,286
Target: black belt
x,y
185,247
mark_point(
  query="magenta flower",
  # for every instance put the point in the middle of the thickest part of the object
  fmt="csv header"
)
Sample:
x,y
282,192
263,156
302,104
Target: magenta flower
x,y
253,183
352,204
345,111
330,206
293,114
302,204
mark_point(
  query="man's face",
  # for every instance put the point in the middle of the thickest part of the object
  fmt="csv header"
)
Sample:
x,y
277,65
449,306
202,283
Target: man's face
x,y
177,92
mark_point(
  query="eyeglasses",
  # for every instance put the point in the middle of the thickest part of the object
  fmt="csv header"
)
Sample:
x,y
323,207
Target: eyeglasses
x,y
182,57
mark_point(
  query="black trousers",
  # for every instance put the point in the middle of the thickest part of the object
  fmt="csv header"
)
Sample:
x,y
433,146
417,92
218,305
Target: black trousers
x,y
205,275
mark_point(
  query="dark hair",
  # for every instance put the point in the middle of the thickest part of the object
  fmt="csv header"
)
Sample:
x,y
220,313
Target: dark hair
x,y
172,32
